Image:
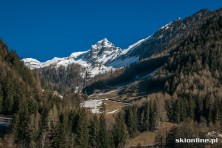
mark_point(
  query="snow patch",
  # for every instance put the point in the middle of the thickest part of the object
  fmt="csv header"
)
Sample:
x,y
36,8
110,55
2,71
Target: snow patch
x,y
93,105
166,26
112,112
131,47
77,54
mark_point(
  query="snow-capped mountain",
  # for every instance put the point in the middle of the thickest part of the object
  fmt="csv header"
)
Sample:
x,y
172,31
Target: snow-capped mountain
x,y
102,52
105,56
102,57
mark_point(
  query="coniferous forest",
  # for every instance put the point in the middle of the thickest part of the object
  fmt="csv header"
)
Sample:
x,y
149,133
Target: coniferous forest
x,y
186,92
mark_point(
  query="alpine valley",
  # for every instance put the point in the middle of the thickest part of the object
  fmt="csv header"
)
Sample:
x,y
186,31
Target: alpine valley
x,y
164,87
74,72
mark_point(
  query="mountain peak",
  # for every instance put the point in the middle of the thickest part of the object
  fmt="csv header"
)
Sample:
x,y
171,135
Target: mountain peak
x,y
105,40
32,63
102,43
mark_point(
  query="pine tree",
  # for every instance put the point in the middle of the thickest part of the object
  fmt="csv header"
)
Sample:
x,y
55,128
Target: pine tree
x,y
104,139
62,133
21,126
170,110
120,133
191,107
9,94
176,111
170,139
153,115
131,120
198,109
216,111
94,132
1,99
146,121
82,130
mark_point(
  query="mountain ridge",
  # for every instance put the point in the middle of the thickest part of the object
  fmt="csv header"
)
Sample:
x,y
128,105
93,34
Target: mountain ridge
x,y
101,55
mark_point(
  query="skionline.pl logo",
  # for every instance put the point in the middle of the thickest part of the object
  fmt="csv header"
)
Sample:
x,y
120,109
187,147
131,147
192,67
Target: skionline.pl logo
x,y
196,140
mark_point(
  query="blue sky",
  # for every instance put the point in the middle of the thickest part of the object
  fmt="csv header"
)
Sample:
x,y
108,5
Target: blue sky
x,y
43,29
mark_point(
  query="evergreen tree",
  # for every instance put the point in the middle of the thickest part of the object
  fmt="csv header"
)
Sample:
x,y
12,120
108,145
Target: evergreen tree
x,y
1,99
176,111
153,116
131,120
94,132
104,139
216,111
21,126
146,118
62,134
9,94
170,139
120,133
191,107
82,130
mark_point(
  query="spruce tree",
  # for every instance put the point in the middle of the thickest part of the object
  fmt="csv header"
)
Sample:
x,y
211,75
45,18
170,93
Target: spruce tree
x,y
21,125
1,99
170,139
153,116
62,133
146,122
131,120
82,130
176,111
120,133
104,139
94,132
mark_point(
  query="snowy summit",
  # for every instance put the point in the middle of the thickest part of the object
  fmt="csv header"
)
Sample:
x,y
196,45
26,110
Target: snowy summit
x,y
98,59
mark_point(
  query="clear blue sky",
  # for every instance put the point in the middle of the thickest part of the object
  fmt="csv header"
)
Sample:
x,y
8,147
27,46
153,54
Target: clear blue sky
x,y
43,29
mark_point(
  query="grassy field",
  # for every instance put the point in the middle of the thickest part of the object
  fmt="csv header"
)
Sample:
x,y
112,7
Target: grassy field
x,y
108,95
112,108
148,138
145,138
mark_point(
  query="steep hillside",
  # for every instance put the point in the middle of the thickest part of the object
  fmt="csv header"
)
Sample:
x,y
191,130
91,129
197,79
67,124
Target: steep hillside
x,y
154,51
19,89
16,82
166,38
185,90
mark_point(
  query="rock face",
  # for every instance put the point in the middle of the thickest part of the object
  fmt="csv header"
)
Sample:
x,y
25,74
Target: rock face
x,y
102,52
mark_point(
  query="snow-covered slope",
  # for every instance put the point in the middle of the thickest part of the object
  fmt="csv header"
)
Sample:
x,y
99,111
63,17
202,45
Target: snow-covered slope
x,y
125,57
32,63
